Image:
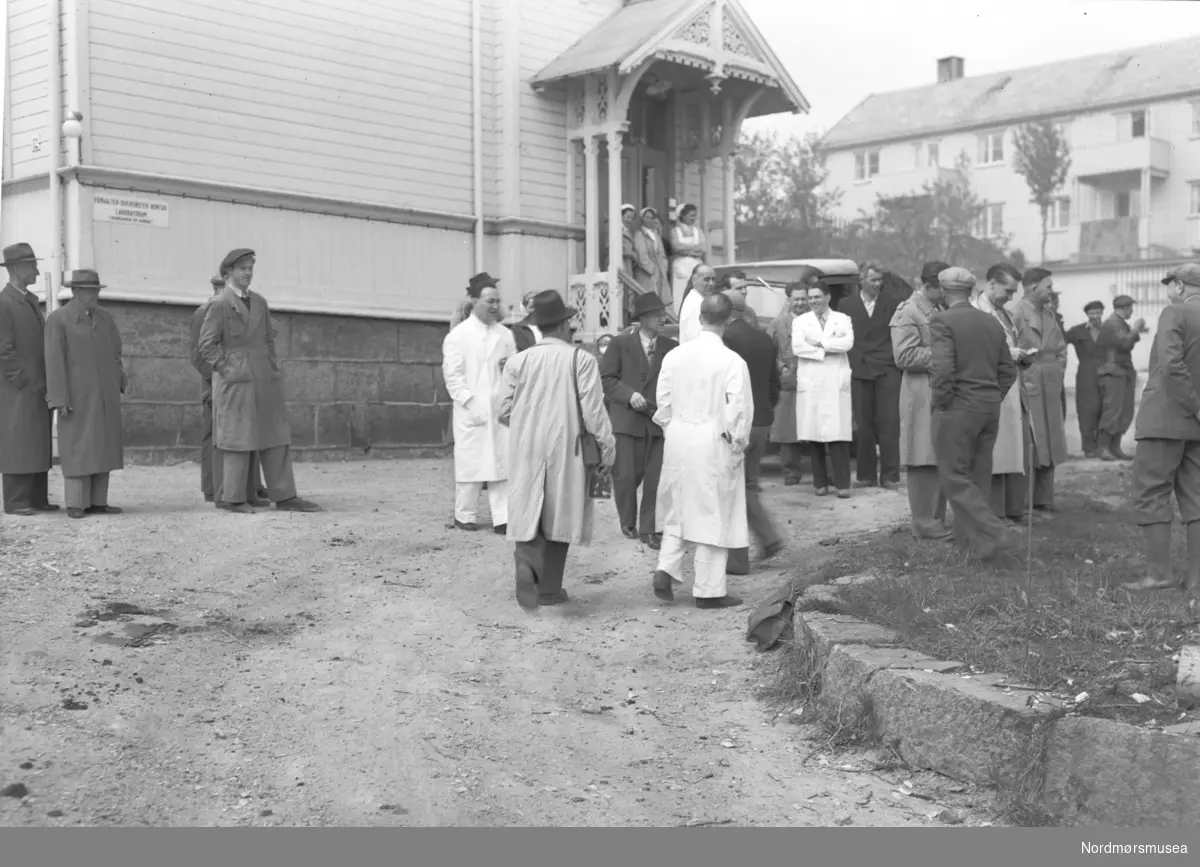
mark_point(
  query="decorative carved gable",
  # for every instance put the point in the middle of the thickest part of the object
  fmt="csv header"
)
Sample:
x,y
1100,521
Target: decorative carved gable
x,y
737,42
698,30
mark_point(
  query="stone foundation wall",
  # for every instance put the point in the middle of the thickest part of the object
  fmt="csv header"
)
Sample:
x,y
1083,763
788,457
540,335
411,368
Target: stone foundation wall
x,y
356,387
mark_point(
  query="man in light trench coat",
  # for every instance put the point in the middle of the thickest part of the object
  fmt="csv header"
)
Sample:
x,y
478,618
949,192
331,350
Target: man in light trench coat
x,y
912,347
547,392
25,433
210,460
84,383
474,354
706,411
250,414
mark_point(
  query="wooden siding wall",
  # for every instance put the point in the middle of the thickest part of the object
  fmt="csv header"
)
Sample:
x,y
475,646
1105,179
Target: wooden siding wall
x,y
327,98
27,107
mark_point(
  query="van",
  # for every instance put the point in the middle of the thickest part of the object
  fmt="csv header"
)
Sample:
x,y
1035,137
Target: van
x,y
767,292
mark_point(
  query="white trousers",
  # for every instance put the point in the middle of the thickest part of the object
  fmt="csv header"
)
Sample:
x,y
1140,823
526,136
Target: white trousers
x,y
466,501
709,562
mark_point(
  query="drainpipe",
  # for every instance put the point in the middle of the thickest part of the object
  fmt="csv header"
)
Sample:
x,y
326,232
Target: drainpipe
x,y
477,126
54,90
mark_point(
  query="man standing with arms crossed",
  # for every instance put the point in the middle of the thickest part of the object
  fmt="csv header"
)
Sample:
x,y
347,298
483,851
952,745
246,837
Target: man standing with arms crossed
x,y
1088,402
1117,376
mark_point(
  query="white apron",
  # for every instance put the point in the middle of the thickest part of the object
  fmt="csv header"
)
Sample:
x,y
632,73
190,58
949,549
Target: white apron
x,y
683,266
473,356
823,408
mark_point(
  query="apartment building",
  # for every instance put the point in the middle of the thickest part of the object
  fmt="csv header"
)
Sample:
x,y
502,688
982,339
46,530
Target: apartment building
x,y
1131,204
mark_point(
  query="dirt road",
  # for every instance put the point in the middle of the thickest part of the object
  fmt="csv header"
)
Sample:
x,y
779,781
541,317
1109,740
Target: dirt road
x,y
368,666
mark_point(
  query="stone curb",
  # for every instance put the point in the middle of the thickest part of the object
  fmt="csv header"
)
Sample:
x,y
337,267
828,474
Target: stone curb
x,y
963,726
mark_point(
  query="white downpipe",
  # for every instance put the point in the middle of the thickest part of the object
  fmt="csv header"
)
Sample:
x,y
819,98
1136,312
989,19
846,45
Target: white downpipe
x,y
72,210
477,126
54,90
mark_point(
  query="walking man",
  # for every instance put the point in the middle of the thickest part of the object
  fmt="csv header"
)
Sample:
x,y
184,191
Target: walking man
x,y
84,383
237,341
971,371
25,420
1167,457
550,395
1084,337
912,345
1043,370
1118,378
874,380
473,357
757,349
210,465
629,371
706,410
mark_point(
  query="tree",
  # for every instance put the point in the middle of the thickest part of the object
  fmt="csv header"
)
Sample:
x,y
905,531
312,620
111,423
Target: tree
x,y
1043,157
776,181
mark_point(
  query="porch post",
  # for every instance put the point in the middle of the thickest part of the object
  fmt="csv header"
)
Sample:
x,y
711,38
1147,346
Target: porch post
x,y
1144,217
729,226
615,222
569,217
592,203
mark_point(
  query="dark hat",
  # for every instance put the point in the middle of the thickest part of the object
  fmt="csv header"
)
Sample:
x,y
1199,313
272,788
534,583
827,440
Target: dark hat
x,y
930,271
1122,301
85,279
648,303
548,309
1093,305
217,281
20,252
481,281
1188,274
233,257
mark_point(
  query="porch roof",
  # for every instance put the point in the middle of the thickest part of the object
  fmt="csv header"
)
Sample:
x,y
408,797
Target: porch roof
x,y
671,29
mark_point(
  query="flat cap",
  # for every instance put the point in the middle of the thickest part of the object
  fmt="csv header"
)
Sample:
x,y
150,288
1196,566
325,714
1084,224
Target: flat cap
x,y
233,257
1188,274
1122,301
957,278
1093,305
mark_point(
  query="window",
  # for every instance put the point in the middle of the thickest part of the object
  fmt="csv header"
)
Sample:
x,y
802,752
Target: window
x,y
932,156
1138,124
866,165
1060,214
990,222
1124,204
1133,124
1194,207
991,148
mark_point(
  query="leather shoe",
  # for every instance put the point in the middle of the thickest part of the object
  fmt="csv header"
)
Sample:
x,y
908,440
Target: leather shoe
x,y
790,482
76,513
725,601
256,503
663,588
652,541
843,494
103,510
297,504
472,527
553,598
236,508
629,532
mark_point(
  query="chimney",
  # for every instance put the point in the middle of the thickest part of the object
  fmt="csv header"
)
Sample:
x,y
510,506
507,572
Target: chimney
x,y
949,69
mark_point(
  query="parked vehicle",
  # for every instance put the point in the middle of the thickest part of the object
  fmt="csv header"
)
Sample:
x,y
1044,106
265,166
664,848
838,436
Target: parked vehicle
x,y
767,292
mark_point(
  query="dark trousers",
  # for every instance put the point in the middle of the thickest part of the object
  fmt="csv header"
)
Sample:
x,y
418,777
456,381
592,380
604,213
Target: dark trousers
x,y
206,451
546,560
239,474
639,462
1009,495
26,491
759,520
964,441
926,502
1117,414
839,455
876,404
1088,403
791,460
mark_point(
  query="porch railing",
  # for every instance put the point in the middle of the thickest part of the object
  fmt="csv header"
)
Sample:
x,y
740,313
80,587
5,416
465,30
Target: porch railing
x,y
603,299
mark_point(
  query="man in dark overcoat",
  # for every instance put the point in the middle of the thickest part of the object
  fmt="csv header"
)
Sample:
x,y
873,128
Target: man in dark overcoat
x,y
84,383
1117,376
25,420
237,341
971,370
210,462
874,380
758,350
1087,386
1167,458
629,372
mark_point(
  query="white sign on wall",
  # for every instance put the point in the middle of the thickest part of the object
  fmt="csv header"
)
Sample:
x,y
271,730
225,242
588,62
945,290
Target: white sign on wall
x,y
124,208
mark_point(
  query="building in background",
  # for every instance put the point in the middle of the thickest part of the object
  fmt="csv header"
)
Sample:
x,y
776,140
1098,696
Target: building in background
x,y
375,155
1131,206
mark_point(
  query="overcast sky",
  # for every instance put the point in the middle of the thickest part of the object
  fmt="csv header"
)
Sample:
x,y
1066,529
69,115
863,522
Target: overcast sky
x,y
839,51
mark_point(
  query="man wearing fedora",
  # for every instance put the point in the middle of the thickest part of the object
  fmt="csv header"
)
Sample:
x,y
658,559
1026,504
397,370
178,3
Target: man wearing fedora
x,y
1117,376
250,415
551,395
210,462
84,383
25,420
629,371
473,356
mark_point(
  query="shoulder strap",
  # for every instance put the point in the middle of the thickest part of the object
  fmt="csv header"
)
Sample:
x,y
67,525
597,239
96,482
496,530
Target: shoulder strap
x,y
578,401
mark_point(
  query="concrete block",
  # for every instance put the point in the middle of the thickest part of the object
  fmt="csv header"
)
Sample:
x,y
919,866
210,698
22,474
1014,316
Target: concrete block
x,y
333,425
151,424
162,379
310,381
407,383
963,729
304,424
152,330
192,427
391,425
817,596
342,338
283,334
1100,772
439,385
421,342
826,630
849,669
356,381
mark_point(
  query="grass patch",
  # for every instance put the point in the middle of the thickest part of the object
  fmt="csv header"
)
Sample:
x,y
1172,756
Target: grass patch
x,y
1065,626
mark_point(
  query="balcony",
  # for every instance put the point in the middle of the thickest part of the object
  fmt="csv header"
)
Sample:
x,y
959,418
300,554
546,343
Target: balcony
x,y
1124,239
1115,158
896,184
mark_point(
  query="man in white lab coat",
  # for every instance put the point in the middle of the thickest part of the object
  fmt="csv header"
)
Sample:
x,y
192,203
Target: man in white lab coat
x,y
706,409
473,357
